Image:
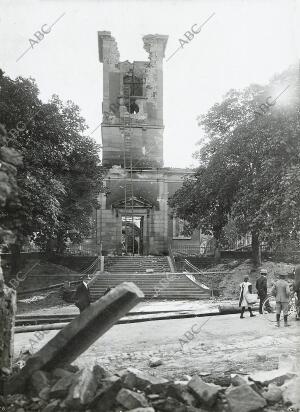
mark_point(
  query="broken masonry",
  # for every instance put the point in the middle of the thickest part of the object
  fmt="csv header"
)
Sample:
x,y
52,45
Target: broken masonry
x,y
79,334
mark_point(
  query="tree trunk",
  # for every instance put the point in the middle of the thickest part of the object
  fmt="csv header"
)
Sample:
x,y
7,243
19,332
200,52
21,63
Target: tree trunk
x,y
256,249
7,322
49,250
217,254
60,245
15,264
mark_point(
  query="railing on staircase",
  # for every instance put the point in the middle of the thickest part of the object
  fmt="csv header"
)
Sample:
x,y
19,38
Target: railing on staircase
x,y
190,266
95,266
191,277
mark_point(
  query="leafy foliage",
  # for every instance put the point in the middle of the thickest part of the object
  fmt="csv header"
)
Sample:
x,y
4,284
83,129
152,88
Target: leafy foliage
x,y
61,175
249,164
10,159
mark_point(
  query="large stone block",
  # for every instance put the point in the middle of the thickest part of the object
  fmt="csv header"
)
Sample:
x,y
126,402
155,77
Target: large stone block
x,y
62,386
79,334
204,392
169,404
291,393
133,378
180,392
105,396
273,394
130,399
243,398
276,376
39,381
82,391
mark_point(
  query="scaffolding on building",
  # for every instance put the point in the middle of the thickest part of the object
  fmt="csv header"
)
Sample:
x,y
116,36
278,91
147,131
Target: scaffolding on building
x,y
129,96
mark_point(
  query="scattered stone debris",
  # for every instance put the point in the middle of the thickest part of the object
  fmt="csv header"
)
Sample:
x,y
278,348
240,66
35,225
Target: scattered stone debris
x,y
205,393
79,334
273,394
244,398
154,362
291,393
97,390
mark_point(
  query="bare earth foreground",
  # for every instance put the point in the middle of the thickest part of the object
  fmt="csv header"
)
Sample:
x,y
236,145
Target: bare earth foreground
x,y
224,344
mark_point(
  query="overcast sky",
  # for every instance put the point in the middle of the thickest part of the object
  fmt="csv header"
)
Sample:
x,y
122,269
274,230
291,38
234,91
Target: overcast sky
x,y
244,42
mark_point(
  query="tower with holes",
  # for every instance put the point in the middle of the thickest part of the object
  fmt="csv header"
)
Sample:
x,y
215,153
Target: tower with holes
x,y
132,107
134,217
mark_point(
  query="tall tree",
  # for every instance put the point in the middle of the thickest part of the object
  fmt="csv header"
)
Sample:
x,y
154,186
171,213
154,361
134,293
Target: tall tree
x,y
61,174
10,159
249,157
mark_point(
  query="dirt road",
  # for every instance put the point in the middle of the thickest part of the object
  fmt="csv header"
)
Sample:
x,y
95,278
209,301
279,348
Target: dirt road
x,y
200,345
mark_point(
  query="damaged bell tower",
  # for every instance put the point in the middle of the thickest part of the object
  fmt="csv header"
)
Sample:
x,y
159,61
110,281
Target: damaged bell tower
x,y
134,216
132,108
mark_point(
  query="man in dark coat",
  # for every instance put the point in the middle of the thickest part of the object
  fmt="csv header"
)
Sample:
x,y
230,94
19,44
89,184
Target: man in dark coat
x,y
82,296
262,290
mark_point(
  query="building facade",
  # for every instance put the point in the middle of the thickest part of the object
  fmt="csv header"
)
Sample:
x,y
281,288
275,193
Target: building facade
x,y
134,216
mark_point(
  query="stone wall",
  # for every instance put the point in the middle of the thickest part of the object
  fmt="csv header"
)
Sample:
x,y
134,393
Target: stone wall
x,y
151,190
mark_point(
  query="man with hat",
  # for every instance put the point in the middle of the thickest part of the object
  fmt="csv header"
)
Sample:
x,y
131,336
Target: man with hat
x,y
262,290
281,291
82,294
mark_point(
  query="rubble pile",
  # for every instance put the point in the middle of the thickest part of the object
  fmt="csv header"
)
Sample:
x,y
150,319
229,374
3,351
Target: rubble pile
x,y
98,390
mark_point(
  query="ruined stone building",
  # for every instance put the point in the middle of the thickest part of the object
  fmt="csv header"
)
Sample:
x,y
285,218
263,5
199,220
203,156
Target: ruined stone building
x,y
134,213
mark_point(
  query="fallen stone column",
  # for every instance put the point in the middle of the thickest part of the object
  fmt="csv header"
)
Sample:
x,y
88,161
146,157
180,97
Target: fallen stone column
x,y
230,309
7,324
79,334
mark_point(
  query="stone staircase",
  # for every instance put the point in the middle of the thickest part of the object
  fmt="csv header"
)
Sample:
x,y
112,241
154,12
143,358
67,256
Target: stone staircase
x,y
136,264
164,286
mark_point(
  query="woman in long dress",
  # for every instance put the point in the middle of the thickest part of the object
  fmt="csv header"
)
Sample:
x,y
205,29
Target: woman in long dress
x,y
245,289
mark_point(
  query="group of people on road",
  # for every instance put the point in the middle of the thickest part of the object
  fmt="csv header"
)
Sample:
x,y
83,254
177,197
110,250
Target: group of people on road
x,y
281,290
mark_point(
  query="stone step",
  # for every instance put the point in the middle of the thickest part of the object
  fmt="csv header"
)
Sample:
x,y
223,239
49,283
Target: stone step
x,y
136,259
124,262
150,284
139,264
165,290
179,296
95,296
124,259
150,275
136,264
135,270
160,293
145,282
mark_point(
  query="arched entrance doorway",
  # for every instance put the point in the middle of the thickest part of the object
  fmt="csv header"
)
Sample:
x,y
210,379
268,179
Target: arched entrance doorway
x,y
135,228
132,235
